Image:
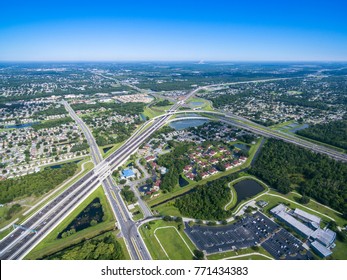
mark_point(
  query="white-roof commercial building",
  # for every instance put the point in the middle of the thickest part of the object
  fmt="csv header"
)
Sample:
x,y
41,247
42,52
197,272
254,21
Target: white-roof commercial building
x,y
280,212
325,237
321,250
322,238
306,217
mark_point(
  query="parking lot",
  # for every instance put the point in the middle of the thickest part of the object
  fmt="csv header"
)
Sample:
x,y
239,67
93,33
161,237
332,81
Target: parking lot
x,y
283,245
247,232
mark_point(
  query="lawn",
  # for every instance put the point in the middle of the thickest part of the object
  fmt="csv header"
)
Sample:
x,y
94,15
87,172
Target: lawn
x,y
124,248
168,209
110,151
173,243
153,246
150,113
229,254
233,200
340,251
137,216
50,244
251,257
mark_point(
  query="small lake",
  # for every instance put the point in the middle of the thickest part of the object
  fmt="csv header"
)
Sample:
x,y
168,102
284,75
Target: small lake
x,y
105,150
196,103
23,125
93,212
242,146
143,117
247,189
180,125
299,128
182,182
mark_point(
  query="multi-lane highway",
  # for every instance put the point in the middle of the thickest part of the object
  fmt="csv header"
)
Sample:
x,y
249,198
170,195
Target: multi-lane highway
x,y
133,240
19,242
267,132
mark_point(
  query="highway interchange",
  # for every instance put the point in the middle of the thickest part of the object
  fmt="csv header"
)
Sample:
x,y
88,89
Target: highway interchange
x,y
19,242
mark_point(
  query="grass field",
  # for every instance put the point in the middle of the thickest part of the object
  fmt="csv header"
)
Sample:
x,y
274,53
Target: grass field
x,y
152,112
229,254
168,209
138,216
251,257
173,244
50,244
167,238
340,251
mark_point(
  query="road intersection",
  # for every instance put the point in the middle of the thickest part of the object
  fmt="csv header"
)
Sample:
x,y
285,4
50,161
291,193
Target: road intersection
x,y
19,242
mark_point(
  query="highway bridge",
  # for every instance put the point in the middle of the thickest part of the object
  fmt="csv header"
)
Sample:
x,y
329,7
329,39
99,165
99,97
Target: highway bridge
x,y
133,239
19,242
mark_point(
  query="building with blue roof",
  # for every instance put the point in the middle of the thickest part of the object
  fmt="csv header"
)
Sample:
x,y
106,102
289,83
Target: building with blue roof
x,y
128,173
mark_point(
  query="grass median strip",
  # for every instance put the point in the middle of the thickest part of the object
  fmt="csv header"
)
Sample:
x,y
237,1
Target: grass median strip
x,y
51,244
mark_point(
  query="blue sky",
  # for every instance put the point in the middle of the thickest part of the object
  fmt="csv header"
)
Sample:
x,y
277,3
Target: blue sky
x,y
173,30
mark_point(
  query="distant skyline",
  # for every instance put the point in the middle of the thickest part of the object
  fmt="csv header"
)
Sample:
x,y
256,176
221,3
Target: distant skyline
x,y
173,31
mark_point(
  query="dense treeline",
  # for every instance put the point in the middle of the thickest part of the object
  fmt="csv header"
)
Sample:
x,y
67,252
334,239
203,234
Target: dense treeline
x,y
128,194
285,166
206,202
35,184
104,247
175,162
52,111
120,108
334,133
52,123
224,99
79,147
163,103
15,208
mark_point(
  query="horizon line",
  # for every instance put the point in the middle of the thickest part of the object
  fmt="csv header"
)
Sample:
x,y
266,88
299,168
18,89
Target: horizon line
x,y
201,61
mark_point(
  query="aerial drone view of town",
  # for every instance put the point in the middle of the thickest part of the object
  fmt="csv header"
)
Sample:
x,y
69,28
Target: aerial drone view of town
x,y
173,161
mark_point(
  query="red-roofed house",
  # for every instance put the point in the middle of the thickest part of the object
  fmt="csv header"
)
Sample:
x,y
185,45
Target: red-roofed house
x,y
190,175
228,166
150,158
187,168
